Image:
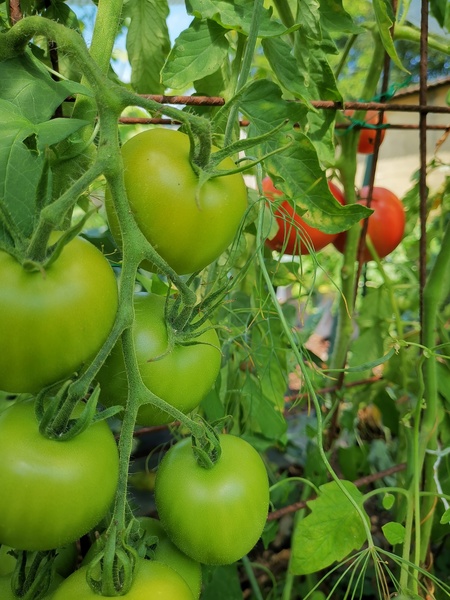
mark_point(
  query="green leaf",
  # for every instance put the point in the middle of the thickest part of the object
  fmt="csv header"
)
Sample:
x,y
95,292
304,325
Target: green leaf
x,y
198,52
60,12
148,43
296,170
221,583
279,54
336,19
388,501
28,86
385,19
54,131
394,533
331,532
235,14
445,517
440,9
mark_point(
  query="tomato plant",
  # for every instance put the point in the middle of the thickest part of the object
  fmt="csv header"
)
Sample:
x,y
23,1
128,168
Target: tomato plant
x,y
294,236
49,326
367,136
386,225
224,507
151,579
188,224
165,370
52,491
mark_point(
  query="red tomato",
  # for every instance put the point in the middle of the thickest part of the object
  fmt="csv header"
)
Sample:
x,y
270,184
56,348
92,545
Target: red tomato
x,y
366,141
294,236
386,224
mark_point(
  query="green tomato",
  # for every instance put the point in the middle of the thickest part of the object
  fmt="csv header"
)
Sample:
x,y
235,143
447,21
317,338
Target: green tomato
x,y
214,515
53,492
188,225
53,323
167,553
182,377
151,580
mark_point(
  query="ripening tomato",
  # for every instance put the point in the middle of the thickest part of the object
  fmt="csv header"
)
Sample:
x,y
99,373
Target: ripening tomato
x,y
386,224
294,236
181,376
366,140
188,225
213,515
152,579
54,322
52,492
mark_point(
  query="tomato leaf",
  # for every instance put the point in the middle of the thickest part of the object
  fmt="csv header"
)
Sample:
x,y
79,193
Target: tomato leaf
x,y
28,85
148,43
235,15
330,532
198,51
385,19
296,171
221,583
54,131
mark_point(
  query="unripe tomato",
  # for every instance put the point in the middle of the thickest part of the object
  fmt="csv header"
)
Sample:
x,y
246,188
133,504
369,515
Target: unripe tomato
x,y
294,236
52,323
182,375
366,140
52,492
188,225
151,579
213,515
386,224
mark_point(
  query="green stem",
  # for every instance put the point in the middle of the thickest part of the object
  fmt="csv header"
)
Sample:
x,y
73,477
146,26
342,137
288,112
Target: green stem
x,y
307,381
435,292
106,25
251,577
347,168
245,67
52,216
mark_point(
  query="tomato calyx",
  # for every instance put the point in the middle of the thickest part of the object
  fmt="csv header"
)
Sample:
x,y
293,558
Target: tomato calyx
x,y
31,582
206,448
110,572
54,414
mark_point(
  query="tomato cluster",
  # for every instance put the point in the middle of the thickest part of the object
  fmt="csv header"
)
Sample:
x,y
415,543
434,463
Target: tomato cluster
x,y
386,225
55,490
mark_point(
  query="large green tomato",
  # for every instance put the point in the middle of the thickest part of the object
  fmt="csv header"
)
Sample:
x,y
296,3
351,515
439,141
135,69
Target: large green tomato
x,y
52,492
188,225
53,322
151,580
214,515
181,377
